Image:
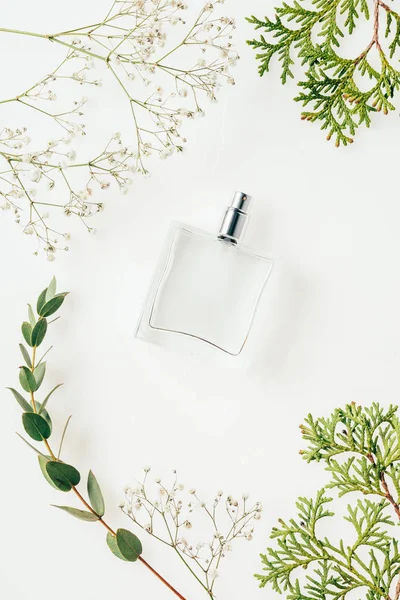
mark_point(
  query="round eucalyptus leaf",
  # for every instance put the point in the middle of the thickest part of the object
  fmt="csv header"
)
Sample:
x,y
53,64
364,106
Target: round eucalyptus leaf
x,y
128,544
43,413
39,332
31,316
41,300
27,379
25,355
24,404
50,307
112,544
51,290
30,446
64,476
39,374
42,464
45,401
36,426
26,329
83,515
95,495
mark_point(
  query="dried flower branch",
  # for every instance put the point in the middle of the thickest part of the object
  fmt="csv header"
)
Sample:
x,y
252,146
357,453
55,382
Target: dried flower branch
x,y
361,449
343,92
163,82
38,426
170,514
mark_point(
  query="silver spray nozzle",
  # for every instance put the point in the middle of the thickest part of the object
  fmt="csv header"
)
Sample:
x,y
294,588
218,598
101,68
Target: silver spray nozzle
x,y
235,218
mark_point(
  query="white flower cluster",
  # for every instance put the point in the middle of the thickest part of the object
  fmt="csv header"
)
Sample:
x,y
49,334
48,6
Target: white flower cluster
x,y
164,82
48,171
174,516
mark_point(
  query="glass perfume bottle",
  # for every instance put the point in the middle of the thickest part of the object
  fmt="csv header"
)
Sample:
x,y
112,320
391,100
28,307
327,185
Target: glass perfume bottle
x,y
206,287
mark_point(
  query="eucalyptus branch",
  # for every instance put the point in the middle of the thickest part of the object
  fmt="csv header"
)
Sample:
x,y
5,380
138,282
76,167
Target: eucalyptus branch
x,y
131,43
170,514
39,427
361,449
343,93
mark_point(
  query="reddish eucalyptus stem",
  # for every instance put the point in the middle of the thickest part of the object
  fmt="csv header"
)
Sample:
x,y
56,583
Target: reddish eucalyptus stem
x,y
165,582
90,509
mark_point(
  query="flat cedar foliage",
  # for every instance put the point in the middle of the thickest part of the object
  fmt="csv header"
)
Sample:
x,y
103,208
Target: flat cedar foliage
x,y
361,449
341,93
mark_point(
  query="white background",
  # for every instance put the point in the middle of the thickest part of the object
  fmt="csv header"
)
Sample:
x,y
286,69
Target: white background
x,y
328,332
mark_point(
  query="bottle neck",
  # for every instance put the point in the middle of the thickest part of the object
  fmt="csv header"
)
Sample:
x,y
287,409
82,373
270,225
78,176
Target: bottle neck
x,y
233,225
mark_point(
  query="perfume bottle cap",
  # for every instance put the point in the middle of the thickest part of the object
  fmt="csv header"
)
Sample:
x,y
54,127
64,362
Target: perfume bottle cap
x,y
235,219
242,202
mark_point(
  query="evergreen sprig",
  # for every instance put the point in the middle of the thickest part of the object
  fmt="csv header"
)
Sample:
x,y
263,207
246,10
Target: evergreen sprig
x,y
38,427
340,93
361,449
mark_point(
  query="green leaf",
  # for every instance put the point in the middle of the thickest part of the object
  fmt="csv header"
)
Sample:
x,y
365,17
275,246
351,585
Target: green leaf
x,y
63,435
95,495
43,460
39,374
21,401
38,332
36,426
52,305
83,515
30,446
27,380
45,401
25,355
129,545
41,301
26,407
26,329
311,34
51,290
31,315
64,476
112,544
43,412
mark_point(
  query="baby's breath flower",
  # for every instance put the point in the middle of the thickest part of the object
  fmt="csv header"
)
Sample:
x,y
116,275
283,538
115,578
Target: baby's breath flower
x,y
174,509
214,574
133,58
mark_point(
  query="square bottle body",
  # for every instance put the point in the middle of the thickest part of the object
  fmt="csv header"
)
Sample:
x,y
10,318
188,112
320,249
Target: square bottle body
x,y
205,289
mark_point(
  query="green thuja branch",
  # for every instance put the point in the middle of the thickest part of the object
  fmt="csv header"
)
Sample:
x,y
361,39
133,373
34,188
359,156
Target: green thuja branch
x,y
361,450
340,93
38,426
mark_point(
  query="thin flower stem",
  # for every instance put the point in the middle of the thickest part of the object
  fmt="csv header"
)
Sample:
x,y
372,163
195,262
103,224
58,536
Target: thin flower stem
x,y
173,545
28,33
81,50
209,592
78,30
